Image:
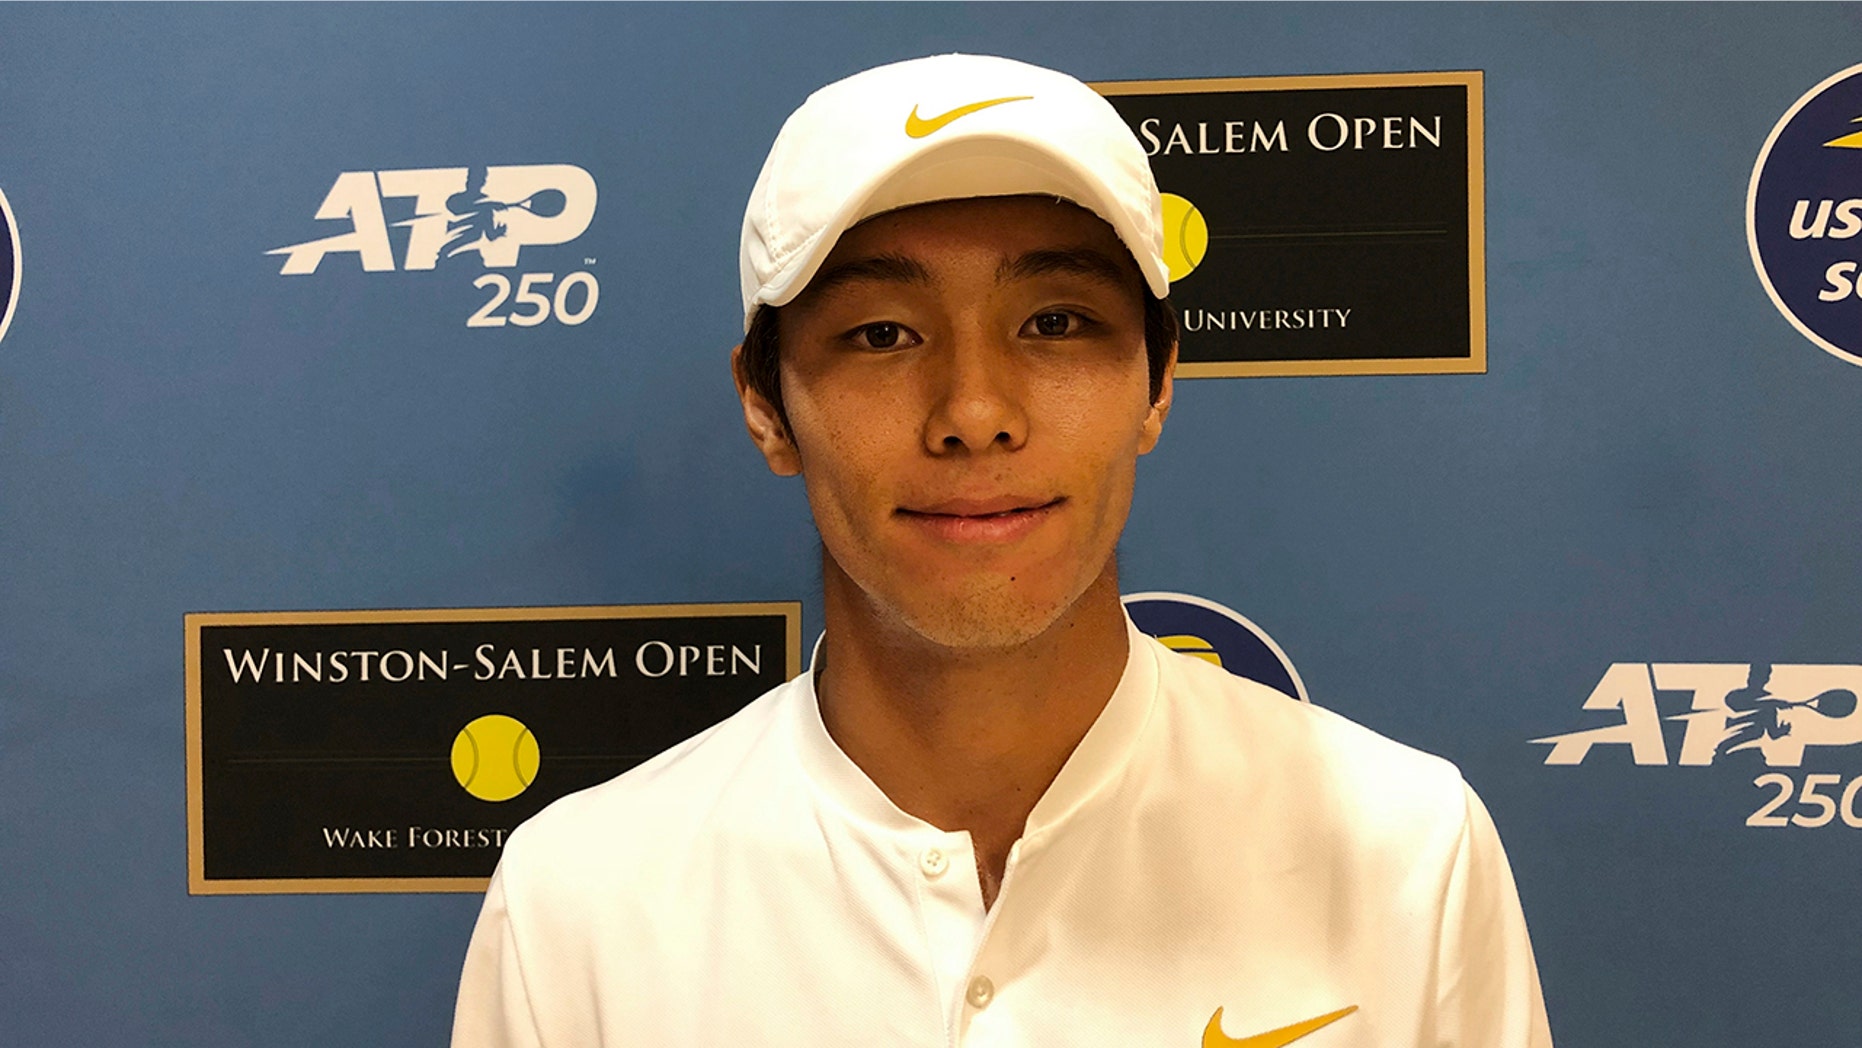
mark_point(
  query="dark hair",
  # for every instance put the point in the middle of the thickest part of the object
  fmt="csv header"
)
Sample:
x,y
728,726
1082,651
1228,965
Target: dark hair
x,y
762,369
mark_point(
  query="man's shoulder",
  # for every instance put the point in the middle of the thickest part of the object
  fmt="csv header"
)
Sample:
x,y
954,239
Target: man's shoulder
x,y
660,805
1300,756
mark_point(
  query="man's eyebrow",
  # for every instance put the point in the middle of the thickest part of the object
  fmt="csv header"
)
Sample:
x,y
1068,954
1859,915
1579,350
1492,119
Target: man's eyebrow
x,y
896,269
1083,261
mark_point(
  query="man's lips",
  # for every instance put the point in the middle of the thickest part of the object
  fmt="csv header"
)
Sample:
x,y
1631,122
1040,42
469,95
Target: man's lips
x,y
988,520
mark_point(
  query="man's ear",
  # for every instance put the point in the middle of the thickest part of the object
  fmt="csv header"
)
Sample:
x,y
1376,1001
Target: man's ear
x,y
764,422
1160,408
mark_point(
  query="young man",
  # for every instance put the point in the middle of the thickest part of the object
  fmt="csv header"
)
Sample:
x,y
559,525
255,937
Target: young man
x,y
993,813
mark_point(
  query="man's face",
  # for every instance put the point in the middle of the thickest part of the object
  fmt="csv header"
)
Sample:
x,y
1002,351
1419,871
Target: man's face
x,y
967,394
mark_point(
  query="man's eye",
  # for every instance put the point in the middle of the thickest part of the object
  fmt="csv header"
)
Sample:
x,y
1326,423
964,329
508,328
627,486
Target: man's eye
x,y
883,335
1053,323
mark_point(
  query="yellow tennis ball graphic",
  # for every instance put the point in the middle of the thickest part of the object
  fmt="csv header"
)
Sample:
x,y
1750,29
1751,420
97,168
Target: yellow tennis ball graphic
x,y
1193,646
495,757
1186,236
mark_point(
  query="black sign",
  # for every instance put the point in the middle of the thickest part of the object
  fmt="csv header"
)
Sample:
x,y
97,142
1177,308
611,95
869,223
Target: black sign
x,y
1320,225
395,750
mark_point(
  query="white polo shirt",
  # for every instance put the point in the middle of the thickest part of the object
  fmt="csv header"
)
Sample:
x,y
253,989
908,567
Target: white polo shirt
x,y
1210,845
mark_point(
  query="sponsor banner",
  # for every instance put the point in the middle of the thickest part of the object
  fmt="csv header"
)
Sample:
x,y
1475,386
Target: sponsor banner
x,y
1804,211
379,751
9,264
1220,635
1780,720
1320,225
420,220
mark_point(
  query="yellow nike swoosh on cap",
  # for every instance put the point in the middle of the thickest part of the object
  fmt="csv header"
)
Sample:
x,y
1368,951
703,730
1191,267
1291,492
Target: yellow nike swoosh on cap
x,y
917,127
1213,1037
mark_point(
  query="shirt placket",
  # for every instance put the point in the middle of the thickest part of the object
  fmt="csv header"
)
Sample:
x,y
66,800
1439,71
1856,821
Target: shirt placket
x,y
951,905
976,1022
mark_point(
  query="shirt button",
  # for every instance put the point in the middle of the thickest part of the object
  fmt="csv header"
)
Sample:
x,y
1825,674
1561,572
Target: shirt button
x,y
933,862
982,991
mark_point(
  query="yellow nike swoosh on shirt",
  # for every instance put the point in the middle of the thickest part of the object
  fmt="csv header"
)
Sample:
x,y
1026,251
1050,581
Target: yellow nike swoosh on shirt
x,y
917,127
1213,1037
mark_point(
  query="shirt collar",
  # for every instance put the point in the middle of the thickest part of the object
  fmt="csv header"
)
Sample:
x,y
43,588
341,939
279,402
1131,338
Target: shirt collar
x,y
1096,763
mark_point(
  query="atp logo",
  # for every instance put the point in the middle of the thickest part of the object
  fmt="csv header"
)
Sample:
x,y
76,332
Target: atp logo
x,y
1731,713
1218,635
1804,213
9,264
492,213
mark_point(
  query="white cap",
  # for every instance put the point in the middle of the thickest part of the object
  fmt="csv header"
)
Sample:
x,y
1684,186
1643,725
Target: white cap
x,y
947,127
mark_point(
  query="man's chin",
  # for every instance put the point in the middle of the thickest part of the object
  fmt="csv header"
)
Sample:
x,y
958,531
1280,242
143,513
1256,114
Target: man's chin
x,y
983,622
965,611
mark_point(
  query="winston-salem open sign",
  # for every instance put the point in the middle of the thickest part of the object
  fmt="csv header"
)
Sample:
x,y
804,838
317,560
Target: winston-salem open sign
x,y
1320,225
395,750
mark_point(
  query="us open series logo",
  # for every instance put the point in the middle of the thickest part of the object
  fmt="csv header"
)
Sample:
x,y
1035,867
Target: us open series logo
x,y
435,215
9,264
1804,212
1219,635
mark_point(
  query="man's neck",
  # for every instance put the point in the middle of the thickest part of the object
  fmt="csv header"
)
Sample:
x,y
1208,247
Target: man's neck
x,y
965,739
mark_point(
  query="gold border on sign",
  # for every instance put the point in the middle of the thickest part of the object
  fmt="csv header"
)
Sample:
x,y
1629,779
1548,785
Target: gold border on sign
x,y
197,881
1475,363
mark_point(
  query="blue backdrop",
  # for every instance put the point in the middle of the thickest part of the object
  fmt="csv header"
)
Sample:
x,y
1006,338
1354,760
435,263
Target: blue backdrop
x,y
1656,469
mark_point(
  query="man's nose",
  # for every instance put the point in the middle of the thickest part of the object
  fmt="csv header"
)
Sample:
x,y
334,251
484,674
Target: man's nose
x,y
978,395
